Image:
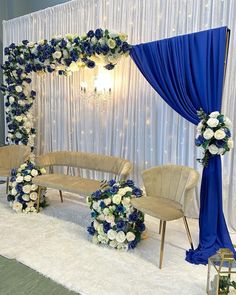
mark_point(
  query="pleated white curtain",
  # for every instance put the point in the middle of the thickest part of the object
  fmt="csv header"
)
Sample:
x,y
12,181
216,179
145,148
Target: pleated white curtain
x,y
135,123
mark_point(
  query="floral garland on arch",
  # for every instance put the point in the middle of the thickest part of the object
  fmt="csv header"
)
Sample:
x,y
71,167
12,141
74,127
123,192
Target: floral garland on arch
x,y
115,222
62,55
213,135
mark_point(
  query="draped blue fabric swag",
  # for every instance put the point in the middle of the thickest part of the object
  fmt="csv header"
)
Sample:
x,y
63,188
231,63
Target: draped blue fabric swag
x,y
188,71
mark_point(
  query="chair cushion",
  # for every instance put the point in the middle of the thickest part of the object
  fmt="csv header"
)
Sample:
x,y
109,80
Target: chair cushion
x,y
5,172
161,208
72,184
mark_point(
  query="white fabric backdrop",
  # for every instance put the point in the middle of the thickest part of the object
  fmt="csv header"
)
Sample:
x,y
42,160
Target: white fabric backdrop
x,y
135,123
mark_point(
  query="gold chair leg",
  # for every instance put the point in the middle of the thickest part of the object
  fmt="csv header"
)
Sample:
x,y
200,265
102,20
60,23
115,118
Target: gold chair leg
x,y
7,185
188,232
160,226
61,196
162,243
38,200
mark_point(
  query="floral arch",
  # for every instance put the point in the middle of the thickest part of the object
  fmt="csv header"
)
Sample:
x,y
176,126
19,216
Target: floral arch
x,y
61,55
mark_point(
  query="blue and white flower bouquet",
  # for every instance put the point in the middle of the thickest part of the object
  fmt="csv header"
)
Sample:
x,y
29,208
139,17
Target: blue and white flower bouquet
x,y
213,135
115,222
23,194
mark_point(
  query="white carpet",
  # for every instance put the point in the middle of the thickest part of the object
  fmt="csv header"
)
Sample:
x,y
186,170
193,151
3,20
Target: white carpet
x,y
55,243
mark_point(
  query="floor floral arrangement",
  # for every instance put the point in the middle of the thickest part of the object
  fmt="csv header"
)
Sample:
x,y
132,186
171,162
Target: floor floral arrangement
x,y
23,194
115,222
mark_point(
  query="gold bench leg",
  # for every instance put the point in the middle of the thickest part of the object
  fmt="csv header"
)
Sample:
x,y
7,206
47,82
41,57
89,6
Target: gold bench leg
x,y
61,196
162,243
160,226
188,232
7,185
38,200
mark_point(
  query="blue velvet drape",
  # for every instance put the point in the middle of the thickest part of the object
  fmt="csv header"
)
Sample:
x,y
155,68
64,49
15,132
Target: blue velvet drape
x,y
188,71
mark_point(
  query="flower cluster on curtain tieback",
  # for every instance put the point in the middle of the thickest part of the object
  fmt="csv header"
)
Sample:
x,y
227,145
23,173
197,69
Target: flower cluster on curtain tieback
x,y
213,135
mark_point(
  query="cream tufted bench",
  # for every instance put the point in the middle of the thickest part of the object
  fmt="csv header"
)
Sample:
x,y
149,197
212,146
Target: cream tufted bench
x,y
77,184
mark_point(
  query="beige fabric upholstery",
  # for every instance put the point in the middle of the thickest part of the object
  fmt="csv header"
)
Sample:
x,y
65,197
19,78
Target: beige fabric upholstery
x,y
12,156
72,184
88,161
76,184
172,182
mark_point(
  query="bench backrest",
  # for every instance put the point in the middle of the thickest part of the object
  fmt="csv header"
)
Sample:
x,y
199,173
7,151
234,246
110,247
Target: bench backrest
x,y
88,161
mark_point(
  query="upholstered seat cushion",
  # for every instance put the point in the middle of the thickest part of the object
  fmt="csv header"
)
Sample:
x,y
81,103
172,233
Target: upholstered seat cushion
x,y
73,184
5,172
161,208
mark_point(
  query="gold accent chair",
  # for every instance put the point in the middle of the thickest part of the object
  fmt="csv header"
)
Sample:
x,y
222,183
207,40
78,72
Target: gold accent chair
x,y
81,160
12,156
168,189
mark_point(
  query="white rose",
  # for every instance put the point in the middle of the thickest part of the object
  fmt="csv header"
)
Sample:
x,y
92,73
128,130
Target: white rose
x,y
107,201
27,178
123,37
56,54
43,170
34,187
94,40
221,151
101,217
130,236
230,143
120,237
111,234
208,133
18,135
18,118
219,134
95,239
73,67
41,42
212,122
116,199
113,243
110,218
26,188
227,122
106,211
126,201
214,114
213,149
95,205
23,166
11,99
122,192
100,229
34,172
30,44
102,41
21,102
14,192
19,179
96,224
128,189
69,36
17,206
33,196
18,88
9,135
25,197
13,184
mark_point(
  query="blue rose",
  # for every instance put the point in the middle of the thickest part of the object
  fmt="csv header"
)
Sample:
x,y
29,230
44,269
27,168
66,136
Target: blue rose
x,y
12,46
137,192
63,43
114,190
96,195
120,225
132,244
220,143
10,198
38,67
13,172
28,68
94,214
109,66
25,42
118,41
6,51
104,49
227,132
33,93
49,69
133,216
111,182
91,230
140,227
90,34
28,80
99,33
19,187
90,64
120,208
102,204
199,140
106,226
125,47
129,182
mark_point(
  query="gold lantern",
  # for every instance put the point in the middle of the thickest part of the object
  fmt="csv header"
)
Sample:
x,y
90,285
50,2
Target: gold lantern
x,y
221,278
